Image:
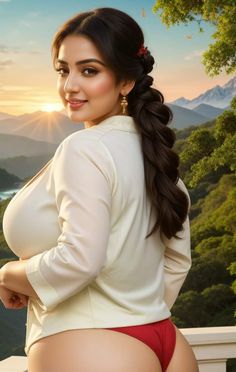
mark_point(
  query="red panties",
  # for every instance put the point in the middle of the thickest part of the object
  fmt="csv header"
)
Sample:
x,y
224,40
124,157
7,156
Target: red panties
x,y
160,336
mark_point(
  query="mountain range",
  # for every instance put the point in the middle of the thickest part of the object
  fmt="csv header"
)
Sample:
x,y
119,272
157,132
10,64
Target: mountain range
x,y
184,117
3,115
54,127
39,126
12,145
28,141
25,167
218,96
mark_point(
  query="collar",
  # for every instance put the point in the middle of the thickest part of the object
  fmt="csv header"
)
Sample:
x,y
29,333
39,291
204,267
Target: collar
x,y
122,122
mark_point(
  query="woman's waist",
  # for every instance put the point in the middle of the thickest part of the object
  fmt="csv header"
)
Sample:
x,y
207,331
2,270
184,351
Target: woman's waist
x,y
93,304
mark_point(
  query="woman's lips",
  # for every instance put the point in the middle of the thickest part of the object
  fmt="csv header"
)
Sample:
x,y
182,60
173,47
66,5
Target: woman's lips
x,y
75,104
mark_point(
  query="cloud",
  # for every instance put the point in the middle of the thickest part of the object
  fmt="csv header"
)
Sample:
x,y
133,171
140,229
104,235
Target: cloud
x,y
34,52
16,50
6,50
5,64
3,48
194,54
15,88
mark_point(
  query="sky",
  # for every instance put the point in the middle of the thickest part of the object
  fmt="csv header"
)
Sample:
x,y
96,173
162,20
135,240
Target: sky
x,y
27,27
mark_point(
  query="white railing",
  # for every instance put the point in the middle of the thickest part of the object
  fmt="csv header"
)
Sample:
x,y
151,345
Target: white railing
x,y
212,347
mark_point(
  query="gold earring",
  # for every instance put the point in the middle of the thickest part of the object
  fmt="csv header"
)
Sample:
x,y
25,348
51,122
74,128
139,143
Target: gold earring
x,y
124,104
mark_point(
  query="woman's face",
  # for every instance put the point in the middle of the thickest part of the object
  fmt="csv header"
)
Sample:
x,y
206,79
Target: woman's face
x,y
87,88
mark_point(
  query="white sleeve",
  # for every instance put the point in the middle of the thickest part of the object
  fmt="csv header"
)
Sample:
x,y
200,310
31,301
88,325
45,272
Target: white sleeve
x,y
82,174
177,259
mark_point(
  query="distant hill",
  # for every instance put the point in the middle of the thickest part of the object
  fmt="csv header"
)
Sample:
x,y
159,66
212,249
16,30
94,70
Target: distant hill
x,y
40,126
7,180
217,97
208,111
184,118
25,167
54,127
12,145
3,115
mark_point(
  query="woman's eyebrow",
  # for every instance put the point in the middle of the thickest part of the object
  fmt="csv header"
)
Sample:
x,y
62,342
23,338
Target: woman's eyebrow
x,y
82,61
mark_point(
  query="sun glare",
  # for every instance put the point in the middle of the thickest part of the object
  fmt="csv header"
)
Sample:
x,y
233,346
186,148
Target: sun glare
x,y
50,107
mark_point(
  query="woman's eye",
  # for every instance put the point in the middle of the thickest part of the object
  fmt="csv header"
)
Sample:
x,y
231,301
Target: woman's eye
x,y
90,71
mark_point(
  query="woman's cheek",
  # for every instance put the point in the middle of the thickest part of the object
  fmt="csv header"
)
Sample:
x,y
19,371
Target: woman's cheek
x,y
101,87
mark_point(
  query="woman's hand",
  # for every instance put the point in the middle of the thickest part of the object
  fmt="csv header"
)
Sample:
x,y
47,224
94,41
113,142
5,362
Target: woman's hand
x,y
14,285
11,299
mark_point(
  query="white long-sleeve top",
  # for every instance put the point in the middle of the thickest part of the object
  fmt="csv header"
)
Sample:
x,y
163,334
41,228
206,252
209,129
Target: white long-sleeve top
x,y
81,222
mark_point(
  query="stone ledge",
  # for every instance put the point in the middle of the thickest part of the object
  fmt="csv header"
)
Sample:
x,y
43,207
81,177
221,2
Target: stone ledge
x,y
14,364
212,342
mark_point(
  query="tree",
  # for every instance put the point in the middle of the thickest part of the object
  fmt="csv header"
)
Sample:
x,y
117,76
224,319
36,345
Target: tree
x,y
187,312
225,125
222,156
205,272
222,14
217,297
218,213
209,244
222,150
199,144
232,270
226,252
233,104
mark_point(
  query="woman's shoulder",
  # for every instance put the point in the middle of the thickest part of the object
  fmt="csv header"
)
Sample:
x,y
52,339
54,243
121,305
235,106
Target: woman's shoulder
x,y
79,141
82,135
99,132
82,145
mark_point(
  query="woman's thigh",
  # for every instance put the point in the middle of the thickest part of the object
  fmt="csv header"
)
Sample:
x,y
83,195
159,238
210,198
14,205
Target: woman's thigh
x,y
91,350
183,359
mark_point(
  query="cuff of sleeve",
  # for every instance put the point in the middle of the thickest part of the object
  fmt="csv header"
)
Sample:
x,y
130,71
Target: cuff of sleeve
x,y
46,293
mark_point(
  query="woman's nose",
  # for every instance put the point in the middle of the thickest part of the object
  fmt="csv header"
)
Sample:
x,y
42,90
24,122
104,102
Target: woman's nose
x,y
71,83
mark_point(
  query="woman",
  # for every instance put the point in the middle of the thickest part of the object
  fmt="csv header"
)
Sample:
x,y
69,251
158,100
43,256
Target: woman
x,y
102,231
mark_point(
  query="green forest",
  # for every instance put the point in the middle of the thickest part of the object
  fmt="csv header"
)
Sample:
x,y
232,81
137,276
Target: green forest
x,y
207,298
207,166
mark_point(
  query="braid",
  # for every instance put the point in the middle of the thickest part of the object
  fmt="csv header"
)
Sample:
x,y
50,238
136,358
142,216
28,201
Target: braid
x,y
146,106
120,41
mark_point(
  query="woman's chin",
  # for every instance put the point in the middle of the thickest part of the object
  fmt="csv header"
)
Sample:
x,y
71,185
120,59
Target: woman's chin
x,y
75,116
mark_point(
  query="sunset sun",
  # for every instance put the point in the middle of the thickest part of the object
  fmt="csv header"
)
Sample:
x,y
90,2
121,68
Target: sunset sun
x,y
50,107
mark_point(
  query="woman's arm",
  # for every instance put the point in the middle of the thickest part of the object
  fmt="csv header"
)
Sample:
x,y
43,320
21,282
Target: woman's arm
x,y
13,277
177,258
82,185
177,263
15,288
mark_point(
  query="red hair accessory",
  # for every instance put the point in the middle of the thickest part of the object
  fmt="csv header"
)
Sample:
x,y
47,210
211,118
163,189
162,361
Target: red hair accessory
x,y
142,51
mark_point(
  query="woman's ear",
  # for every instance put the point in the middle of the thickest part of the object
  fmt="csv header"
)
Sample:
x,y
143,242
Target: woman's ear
x,y
127,86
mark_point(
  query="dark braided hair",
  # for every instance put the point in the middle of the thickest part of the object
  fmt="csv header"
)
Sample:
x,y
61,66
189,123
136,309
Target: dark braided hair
x,y
118,38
